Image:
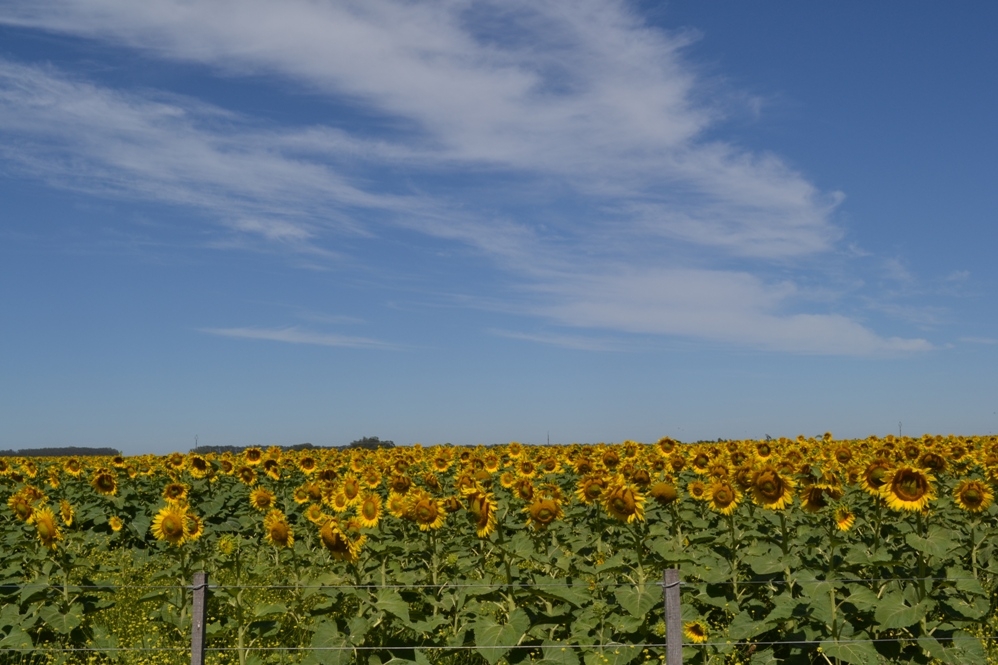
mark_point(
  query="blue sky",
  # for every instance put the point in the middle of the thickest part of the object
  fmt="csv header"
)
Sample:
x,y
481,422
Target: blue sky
x,y
260,222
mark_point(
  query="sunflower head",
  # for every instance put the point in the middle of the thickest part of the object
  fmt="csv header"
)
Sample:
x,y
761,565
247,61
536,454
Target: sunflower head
x,y
73,467
66,512
813,499
524,489
46,527
908,488
276,529
875,475
697,490
723,497
170,525
973,496
246,475
543,512
175,493
369,510
315,515
665,446
482,512
664,493
115,523
21,506
590,489
253,456
262,499
771,490
427,512
695,631
198,466
104,483
844,518
624,502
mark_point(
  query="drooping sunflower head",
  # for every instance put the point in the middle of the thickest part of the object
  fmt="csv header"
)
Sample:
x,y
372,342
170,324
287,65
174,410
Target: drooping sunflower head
x,y
175,493
973,496
369,510
908,488
543,512
624,502
641,478
695,631
66,512
813,499
46,527
771,490
664,493
276,529
723,497
104,482
170,525
195,527
844,518
21,506
482,512
262,499
339,544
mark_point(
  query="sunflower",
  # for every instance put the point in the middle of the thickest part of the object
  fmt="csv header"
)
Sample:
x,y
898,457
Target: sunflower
x,y
46,527
350,489
226,467
21,506
253,456
54,478
623,501
5,468
542,512
813,499
875,475
272,467
664,493
908,488
369,510
842,454
315,515
262,499
526,468
524,489
771,490
400,483
973,495
589,489
104,483
440,463
175,494
66,512
397,505
338,543
73,467
276,529
195,527
482,511
246,475
198,466
695,631
665,446
307,464
170,525
300,494
763,451
115,523
427,512
844,518
227,545
507,479
723,497
701,462
697,490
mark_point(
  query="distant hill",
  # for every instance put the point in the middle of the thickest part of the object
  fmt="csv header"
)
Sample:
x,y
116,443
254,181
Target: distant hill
x,y
67,451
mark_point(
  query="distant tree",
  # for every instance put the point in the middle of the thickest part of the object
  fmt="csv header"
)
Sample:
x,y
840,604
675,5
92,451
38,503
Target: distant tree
x,y
67,451
371,443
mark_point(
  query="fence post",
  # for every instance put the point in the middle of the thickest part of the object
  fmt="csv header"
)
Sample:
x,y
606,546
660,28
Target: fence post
x,y
198,613
673,617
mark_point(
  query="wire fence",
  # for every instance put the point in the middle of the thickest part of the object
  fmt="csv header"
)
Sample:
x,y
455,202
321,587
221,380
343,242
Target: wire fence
x,y
671,587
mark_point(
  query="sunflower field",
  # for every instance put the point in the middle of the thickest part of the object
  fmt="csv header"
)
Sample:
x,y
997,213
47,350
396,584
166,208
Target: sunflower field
x,y
811,550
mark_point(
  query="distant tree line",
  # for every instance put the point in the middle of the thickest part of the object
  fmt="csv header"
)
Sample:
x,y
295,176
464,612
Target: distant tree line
x,y
367,442
66,451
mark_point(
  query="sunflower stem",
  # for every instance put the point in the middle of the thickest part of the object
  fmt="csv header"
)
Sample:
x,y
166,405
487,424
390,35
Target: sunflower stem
x,y
734,552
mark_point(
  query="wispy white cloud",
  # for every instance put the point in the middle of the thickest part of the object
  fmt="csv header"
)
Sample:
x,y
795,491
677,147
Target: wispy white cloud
x,y
575,342
578,102
295,335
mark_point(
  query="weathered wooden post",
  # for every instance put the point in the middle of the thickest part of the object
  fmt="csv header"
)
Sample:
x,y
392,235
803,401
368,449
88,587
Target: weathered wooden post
x,y
199,611
673,617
